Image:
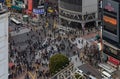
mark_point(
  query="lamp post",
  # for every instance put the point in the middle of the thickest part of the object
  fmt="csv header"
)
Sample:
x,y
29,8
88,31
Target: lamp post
x,y
100,44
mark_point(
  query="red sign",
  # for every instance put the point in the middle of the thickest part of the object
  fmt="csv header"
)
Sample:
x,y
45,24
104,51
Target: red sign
x,y
109,7
30,7
114,61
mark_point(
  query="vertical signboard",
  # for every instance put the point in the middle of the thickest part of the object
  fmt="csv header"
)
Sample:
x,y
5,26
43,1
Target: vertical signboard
x,y
111,20
30,5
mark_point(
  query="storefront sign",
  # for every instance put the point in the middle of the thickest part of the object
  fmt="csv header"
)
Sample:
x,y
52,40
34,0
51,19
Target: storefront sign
x,y
38,11
114,61
111,6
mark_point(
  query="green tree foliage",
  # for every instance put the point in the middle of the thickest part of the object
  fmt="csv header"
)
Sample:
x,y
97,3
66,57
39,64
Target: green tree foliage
x,y
58,62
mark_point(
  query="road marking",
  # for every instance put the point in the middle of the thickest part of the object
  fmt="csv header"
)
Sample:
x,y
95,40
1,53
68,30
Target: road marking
x,y
32,76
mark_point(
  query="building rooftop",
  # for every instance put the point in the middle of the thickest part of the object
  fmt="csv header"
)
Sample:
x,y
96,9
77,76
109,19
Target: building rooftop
x,y
89,70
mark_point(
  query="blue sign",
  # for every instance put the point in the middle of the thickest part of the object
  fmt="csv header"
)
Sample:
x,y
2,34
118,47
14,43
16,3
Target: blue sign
x,y
39,11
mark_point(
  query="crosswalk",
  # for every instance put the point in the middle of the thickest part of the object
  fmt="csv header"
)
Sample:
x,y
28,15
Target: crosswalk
x,y
25,30
80,42
32,75
75,59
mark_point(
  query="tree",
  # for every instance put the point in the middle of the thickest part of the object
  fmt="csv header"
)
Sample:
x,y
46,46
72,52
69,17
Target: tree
x,y
58,62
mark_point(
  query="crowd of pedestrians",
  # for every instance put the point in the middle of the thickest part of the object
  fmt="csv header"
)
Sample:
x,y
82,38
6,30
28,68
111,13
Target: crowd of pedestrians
x,y
91,55
25,60
31,53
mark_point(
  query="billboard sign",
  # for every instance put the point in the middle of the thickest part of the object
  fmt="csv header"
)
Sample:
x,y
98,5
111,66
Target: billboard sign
x,y
110,6
110,24
39,11
30,5
111,20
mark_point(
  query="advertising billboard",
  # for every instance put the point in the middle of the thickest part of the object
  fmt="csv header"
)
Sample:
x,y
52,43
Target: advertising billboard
x,y
111,20
38,11
110,24
30,5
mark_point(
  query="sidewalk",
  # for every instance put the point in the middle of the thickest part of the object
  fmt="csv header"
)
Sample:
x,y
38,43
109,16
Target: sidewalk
x,y
88,36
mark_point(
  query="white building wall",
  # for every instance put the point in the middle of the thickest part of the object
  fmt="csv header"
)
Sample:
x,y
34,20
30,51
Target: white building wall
x,y
4,46
89,6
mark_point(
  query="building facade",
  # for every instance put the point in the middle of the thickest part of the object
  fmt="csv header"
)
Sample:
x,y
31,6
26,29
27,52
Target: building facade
x,y
3,44
77,13
111,31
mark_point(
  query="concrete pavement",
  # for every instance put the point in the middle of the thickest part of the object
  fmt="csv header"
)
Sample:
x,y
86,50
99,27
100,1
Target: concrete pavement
x,y
76,60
